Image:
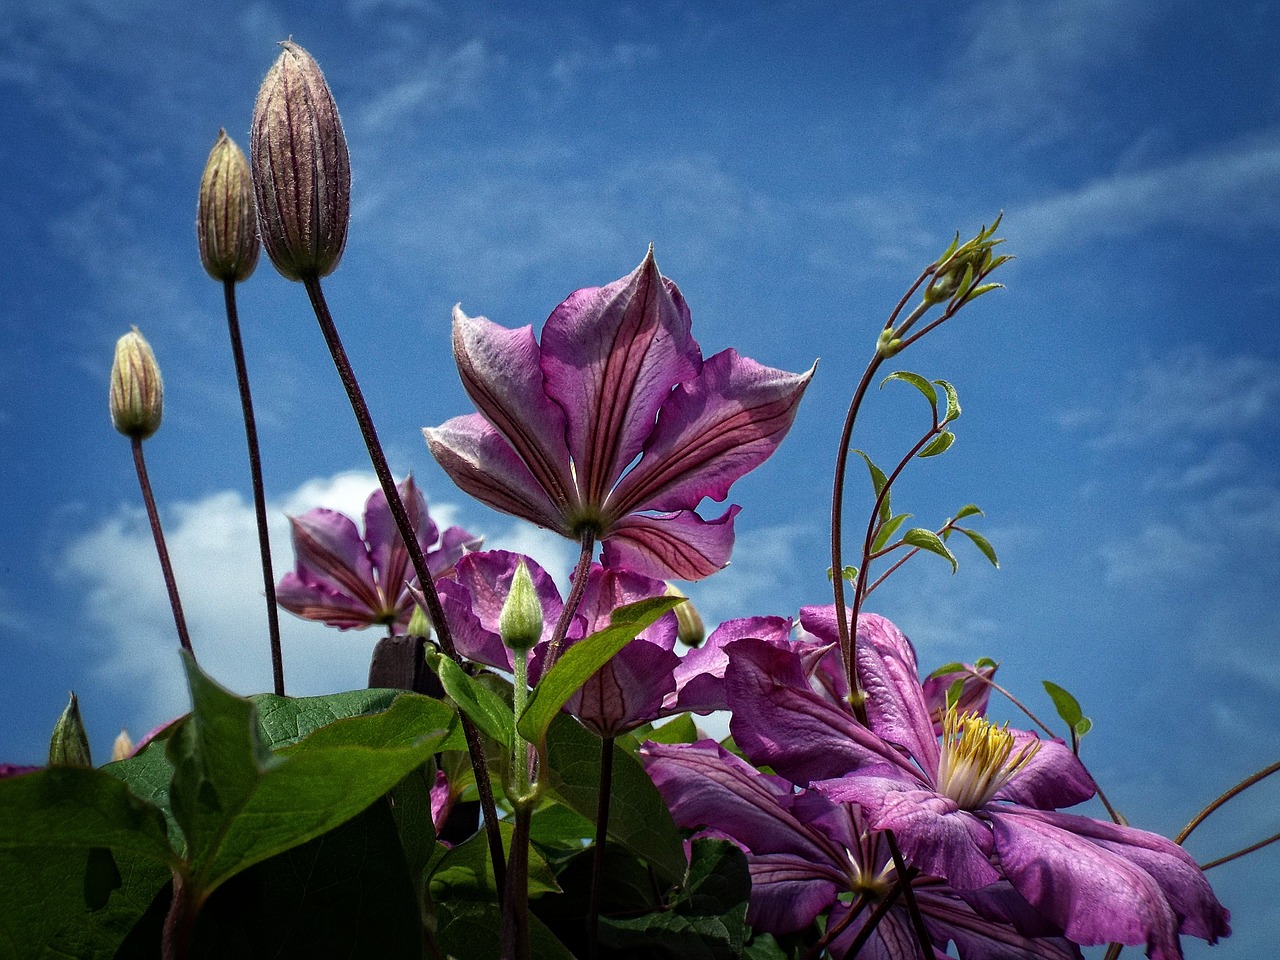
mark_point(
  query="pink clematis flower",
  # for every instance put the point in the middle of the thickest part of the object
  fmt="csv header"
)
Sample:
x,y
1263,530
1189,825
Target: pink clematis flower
x,y
348,581
617,376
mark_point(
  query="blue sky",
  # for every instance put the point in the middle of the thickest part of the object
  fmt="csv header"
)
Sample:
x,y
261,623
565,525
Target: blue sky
x,y
794,164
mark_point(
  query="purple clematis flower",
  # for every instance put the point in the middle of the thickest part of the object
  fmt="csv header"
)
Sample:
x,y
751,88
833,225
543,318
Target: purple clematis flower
x,y
808,855
617,376
350,582
627,691
977,808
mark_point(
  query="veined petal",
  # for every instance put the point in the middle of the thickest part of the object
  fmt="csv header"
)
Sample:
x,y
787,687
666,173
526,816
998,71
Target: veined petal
x,y
895,700
386,546
700,676
786,896
711,431
627,691
609,588
314,599
501,373
1054,777
483,464
329,549
680,545
454,543
610,356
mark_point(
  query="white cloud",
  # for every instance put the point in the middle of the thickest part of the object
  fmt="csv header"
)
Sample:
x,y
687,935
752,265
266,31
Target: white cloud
x,y
439,81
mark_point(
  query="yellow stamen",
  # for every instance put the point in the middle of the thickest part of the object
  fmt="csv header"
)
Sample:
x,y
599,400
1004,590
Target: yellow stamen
x,y
977,758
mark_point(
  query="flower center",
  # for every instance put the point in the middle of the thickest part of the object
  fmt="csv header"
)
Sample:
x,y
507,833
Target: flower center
x,y
977,758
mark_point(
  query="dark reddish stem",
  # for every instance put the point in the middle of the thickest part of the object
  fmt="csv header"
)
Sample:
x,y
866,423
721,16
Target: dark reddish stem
x,y
579,584
259,495
175,602
602,833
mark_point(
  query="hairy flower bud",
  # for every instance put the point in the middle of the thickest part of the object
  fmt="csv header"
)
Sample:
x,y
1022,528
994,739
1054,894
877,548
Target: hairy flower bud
x,y
520,623
226,216
69,745
689,627
301,172
137,392
123,748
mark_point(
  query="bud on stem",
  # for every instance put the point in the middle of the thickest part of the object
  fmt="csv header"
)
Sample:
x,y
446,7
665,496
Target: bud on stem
x,y
226,216
137,392
69,745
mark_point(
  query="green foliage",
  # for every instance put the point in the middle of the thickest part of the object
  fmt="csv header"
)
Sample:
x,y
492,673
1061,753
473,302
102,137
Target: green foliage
x,y
489,712
878,481
1068,709
930,541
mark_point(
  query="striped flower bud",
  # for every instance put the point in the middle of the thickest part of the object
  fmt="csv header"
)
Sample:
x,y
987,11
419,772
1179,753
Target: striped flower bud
x,y
226,216
69,745
301,171
137,392
520,623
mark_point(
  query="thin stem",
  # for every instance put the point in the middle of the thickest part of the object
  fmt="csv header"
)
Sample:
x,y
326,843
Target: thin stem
x,y
873,921
597,861
515,913
175,938
1235,791
832,932
426,582
166,568
1240,853
579,584
255,472
904,881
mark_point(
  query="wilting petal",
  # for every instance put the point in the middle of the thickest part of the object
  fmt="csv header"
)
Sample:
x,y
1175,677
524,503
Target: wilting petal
x,y
610,356
778,721
710,432
1053,777
482,463
501,372
895,702
700,676
680,546
1102,882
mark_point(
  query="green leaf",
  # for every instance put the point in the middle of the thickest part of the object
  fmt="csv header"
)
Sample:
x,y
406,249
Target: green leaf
x,y
939,444
953,401
878,481
680,729
466,871
917,381
954,691
1083,726
968,510
581,661
930,541
286,720
982,544
638,816
486,709
946,668
1067,706
983,663
239,804
469,929
887,530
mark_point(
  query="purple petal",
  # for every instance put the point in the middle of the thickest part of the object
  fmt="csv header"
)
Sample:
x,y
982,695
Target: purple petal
x,y
993,923
502,374
333,564
679,546
779,721
710,432
1103,882
313,599
895,702
454,542
700,676
610,356
974,693
1054,777
785,894
386,547
934,834
483,464
608,589
627,691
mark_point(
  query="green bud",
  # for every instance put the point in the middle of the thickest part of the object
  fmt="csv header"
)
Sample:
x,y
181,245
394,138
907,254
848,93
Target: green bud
x,y
689,627
137,392
226,216
520,623
301,170
69,745
419,625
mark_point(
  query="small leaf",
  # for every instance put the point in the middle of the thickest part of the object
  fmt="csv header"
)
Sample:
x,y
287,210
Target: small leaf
x,y
917,381
939,444
968,510
946,668
887,530
1067,706
486,709
930,541
982,663
954,692
878,481
851,573
953,401
1083,726
982,544
581,661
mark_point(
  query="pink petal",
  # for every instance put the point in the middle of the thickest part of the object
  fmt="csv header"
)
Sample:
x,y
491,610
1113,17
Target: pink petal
x,y
627,691
1053,778
386,546
711,431
313,599
895,700
482,463
329,551
680,546
610,356
700,676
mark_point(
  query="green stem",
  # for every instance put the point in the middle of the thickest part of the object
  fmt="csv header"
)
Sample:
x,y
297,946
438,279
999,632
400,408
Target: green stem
x,y
162,551
175,939
426,582
597,860
259,495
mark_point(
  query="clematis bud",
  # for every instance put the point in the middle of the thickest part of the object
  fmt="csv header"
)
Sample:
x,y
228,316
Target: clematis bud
x,y
122,749
69,745
226,217
419,625
137,392
689,628
520,623
301,171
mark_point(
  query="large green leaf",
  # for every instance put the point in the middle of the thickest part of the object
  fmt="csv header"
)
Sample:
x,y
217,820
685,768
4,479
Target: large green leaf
x,y
580,662
466,871
472,930
286,720
638,817
489,712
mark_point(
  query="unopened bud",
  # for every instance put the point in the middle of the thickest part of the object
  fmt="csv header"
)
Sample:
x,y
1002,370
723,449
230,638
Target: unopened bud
x,y
137,392
122,749
301,171
689,628
419,625
226,216
520,623
69,745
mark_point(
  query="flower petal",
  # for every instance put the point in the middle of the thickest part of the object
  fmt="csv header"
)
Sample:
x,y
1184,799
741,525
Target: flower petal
x,y
610,356
312,598
895,700
501,372
627,691
329,550
483,464
700,676
711,431
680,546
1054,777
386,547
